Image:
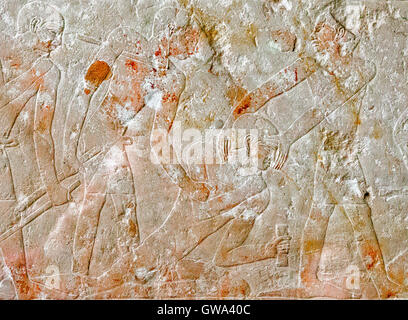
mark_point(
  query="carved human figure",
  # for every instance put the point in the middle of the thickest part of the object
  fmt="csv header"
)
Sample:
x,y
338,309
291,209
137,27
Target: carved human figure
x,y
233,250
27,104
233,198
192,221
205,110
229,191
339,180
150,80
107,176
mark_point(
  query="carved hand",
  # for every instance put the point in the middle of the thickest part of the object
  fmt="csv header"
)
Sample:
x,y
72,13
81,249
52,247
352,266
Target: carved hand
x,y
5,142
278,245
59,195
283,145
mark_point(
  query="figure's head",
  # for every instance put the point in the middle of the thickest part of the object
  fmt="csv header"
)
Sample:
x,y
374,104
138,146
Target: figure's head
x,y
279,14
331,42
44,22
263,132
179,35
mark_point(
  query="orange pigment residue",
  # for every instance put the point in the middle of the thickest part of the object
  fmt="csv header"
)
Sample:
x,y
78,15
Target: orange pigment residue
x,y
16,262
371,252
98,72
132,65
41,127
244,105
235,94
187,43
232,287
170,97
312,245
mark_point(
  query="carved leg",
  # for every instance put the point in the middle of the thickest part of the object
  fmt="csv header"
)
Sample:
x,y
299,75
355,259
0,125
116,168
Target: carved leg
x,y
313,239
85,232
162,242
204,229
125,206
230,251
370,251
15,260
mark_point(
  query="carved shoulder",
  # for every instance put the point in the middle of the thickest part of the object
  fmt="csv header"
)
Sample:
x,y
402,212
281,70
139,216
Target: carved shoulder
x,y
43,65
126,39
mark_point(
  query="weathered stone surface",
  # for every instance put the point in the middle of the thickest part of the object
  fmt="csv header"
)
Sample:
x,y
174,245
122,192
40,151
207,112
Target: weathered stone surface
x,y
203,149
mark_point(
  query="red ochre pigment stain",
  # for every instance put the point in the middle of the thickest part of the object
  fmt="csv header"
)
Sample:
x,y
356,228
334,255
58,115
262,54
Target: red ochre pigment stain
x,y
98,72
132,65
243,106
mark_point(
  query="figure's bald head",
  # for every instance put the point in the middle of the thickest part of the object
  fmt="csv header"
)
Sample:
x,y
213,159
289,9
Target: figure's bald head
x,y
331,44
180,34
42,20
